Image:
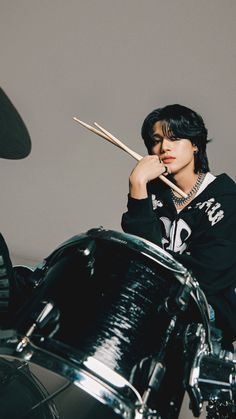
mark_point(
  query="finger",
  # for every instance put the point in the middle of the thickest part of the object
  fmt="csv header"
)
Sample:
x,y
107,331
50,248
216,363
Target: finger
x,y
166,170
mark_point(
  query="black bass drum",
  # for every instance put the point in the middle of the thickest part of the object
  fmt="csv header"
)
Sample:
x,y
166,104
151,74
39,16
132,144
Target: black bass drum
x,y
114,295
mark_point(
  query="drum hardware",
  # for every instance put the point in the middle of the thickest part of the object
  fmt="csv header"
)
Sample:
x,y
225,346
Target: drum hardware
x,y
220,409
203,304
158,369
228,356
210,376
194,341
179,303
153,386
146,413
42,319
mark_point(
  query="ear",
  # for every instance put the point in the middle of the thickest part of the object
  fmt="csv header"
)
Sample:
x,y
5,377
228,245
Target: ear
x,y
195,149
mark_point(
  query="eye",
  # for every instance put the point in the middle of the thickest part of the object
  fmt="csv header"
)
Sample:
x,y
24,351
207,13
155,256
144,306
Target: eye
x,y
157,141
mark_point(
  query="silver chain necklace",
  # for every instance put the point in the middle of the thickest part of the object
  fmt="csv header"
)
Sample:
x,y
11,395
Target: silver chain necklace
x,y
181,201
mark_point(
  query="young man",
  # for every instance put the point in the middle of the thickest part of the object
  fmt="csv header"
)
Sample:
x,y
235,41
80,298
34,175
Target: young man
x,y
200,230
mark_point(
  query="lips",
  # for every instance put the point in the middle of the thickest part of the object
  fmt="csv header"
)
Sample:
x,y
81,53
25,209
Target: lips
x,y
168,159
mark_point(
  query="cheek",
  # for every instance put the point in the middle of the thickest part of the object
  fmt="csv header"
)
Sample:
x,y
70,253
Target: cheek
x,y
187,153
156,149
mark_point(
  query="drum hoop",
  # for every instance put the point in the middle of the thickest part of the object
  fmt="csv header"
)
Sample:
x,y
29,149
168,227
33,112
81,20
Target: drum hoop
x,y
133,242
79,375
141,245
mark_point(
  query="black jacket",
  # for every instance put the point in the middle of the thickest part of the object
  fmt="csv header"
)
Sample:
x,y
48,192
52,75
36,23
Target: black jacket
x,y
202,237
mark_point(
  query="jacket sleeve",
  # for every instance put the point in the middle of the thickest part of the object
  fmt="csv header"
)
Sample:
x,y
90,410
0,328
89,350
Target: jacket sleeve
x,y
141,220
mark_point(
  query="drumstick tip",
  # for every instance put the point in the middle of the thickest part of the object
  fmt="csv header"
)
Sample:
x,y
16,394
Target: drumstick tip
x,y
79,120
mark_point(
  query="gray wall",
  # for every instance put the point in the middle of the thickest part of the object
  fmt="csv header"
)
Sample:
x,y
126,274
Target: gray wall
x,y
111,62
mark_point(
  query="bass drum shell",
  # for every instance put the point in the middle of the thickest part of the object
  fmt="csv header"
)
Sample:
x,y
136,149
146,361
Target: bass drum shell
x,y
111,289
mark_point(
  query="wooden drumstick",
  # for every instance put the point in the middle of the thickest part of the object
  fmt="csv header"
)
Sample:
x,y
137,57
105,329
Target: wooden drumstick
x,y
102,132
95,131
119,143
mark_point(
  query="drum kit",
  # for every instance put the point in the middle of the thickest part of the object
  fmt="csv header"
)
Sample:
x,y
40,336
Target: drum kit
x,y
114,328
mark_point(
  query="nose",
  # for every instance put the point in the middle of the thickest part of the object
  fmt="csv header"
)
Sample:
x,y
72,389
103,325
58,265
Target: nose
x,y
166,144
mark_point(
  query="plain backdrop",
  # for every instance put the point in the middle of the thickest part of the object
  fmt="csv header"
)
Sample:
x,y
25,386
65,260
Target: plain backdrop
x,y
111,62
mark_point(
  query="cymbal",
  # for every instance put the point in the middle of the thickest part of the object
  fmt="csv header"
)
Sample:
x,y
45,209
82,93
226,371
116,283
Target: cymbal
x,y
15,142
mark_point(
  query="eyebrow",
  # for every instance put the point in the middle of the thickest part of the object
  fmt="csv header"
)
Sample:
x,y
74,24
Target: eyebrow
x,y
157,135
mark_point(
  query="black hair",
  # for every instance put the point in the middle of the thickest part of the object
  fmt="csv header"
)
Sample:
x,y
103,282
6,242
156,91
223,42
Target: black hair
x,y
179,122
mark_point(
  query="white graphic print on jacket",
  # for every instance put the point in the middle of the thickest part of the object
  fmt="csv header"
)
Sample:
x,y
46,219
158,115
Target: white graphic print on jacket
x,y
176,235
178,231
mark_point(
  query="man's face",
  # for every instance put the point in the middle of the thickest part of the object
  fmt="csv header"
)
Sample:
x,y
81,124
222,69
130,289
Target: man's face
x,y
176,154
